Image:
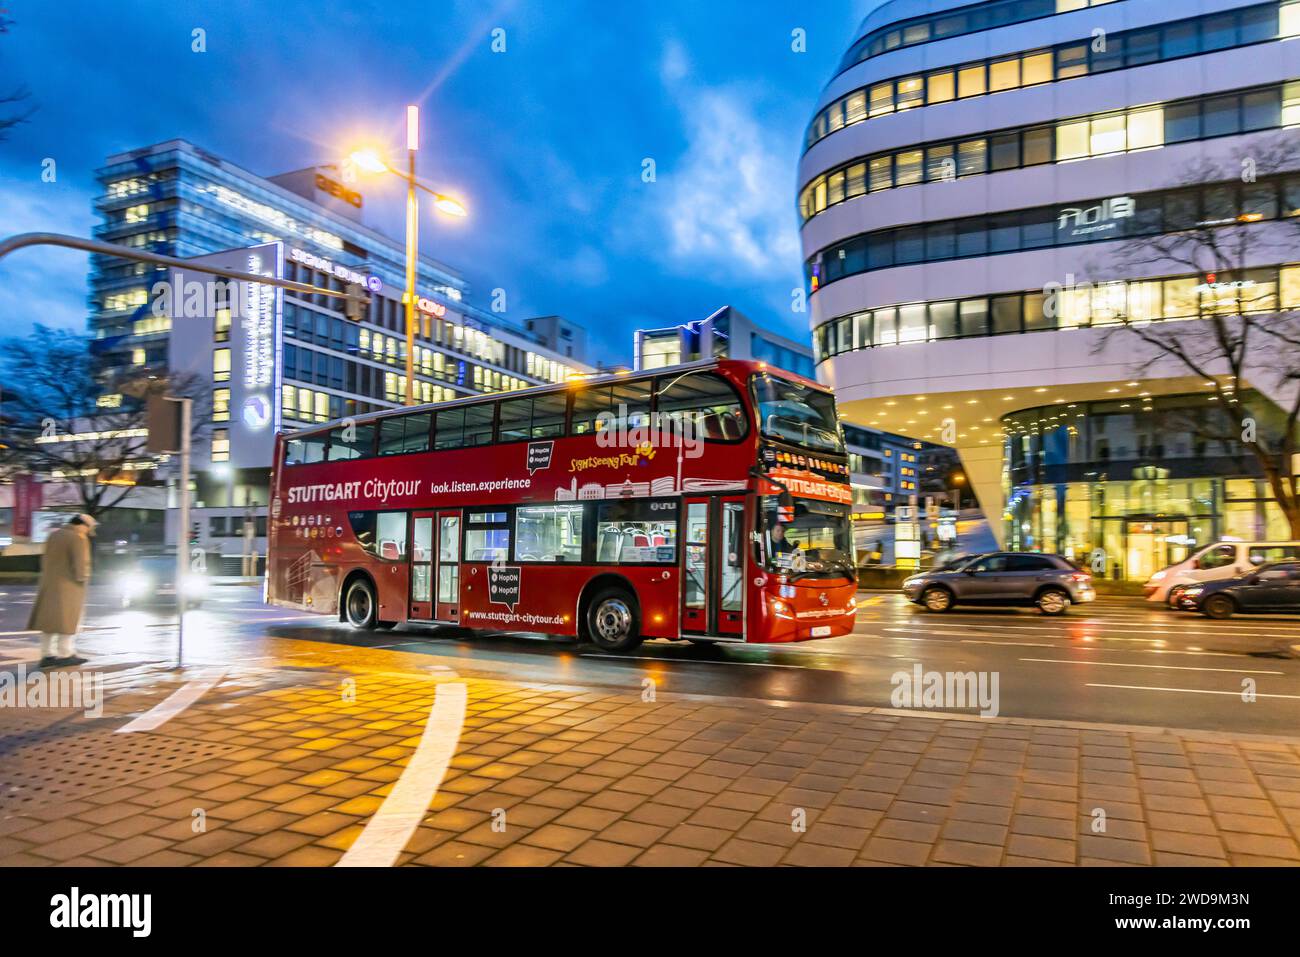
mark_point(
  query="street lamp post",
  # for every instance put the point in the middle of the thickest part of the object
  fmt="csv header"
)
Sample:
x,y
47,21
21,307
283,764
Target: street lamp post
x,y
412,245
371,162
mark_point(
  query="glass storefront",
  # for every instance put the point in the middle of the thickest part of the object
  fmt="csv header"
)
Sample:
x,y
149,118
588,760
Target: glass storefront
x,y
1129,487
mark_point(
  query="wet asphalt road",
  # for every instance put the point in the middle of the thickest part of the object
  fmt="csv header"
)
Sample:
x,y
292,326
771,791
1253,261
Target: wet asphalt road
x,y
1115,661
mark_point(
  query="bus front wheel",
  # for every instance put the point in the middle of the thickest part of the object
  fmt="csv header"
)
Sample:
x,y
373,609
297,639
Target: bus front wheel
x,y
612,620
359,606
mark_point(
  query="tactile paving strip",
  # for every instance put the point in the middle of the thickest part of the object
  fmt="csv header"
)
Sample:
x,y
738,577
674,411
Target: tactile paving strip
x,y
41,765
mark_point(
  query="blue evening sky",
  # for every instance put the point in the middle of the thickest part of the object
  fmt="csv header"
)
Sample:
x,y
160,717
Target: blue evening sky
x,y
544,141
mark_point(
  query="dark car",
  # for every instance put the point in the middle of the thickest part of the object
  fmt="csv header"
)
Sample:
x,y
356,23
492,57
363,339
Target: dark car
x,y
1048,582
151,582
1273,588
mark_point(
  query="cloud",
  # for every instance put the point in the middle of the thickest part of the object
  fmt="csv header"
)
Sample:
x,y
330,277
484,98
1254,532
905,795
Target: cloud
x,y
43,283
728,201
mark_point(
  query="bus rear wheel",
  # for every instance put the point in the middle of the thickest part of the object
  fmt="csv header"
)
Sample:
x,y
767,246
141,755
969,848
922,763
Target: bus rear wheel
x,y
360,609
612,620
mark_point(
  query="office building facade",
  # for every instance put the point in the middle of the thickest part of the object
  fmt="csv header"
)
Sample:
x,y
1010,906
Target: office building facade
x,y
977,182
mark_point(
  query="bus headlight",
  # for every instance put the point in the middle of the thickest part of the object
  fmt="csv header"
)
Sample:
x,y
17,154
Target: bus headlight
x,y
780,608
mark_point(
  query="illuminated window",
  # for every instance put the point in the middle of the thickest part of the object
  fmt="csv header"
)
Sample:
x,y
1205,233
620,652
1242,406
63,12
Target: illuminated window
x,y
220,365
221,445
910,168
970,81
1291,102
1181,300
911,92
855,107
137,214
1035,68
220,405
1146,128
939,87
151,324
1144,301
1290,20
221,326
137,357
1072,140
882,173
1004,75
1290,287
1108,135
882,98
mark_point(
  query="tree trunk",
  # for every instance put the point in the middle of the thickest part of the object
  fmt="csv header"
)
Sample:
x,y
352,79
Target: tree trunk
x,y
1279,483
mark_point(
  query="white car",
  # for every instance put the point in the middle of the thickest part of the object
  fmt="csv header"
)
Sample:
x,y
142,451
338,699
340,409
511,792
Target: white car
x,y
1224,559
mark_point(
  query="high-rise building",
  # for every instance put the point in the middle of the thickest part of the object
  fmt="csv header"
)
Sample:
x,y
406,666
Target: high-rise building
x,y
727,332
976,183
560,335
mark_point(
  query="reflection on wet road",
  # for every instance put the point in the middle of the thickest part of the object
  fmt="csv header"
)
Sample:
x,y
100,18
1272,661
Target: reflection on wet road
x,y
1116,661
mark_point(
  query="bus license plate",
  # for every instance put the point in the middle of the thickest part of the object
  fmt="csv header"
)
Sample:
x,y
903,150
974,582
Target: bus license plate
x,y
821,631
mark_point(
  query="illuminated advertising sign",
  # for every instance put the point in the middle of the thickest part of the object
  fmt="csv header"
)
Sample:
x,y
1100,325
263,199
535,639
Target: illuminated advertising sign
x,y
1106,216
431,307
274,217
337,270
337,189
246,360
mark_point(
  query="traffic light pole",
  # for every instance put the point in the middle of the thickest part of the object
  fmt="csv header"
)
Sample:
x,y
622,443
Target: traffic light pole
x,y
183,530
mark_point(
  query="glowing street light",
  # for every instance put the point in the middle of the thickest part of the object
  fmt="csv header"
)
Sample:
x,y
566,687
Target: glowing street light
x,y
368,160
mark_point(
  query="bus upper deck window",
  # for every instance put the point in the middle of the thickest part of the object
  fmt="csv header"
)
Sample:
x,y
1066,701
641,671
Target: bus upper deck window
x,y
304,450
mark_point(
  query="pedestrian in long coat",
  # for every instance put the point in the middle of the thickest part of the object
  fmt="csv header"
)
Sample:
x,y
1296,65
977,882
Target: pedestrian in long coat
x,y
61,597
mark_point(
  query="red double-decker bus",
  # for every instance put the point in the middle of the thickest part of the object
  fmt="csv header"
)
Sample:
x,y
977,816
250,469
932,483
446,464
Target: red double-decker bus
x,y
707,502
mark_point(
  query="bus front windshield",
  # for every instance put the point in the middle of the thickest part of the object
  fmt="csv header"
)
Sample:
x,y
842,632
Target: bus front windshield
x,y
813,543
797,413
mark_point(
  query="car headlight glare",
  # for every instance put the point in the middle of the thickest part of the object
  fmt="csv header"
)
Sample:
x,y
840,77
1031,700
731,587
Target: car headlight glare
x,y
194,585
134,585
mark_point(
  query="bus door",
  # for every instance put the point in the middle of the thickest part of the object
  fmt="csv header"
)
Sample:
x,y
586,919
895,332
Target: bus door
x,y
713,566
447,567
422,561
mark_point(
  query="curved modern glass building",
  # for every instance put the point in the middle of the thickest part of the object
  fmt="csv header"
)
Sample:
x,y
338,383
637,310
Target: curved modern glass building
x,y
976,186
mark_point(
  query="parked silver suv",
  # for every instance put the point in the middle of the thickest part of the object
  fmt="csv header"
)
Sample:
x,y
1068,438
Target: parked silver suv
x,y
1048,582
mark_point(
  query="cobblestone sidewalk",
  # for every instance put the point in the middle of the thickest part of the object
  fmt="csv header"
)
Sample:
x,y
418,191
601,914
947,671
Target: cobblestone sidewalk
x,y
286,766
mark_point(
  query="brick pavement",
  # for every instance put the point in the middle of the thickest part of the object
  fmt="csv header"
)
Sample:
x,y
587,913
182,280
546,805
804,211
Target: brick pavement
x,y
572,776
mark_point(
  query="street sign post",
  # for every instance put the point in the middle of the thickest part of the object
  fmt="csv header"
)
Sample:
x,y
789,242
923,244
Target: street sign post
x,y
168,421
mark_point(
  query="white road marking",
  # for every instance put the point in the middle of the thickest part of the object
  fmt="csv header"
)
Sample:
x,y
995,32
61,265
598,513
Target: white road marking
x,y
381,841
287,618
990,641
1125,664
174,704
1066,624
10,633
1072,643
1235,694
